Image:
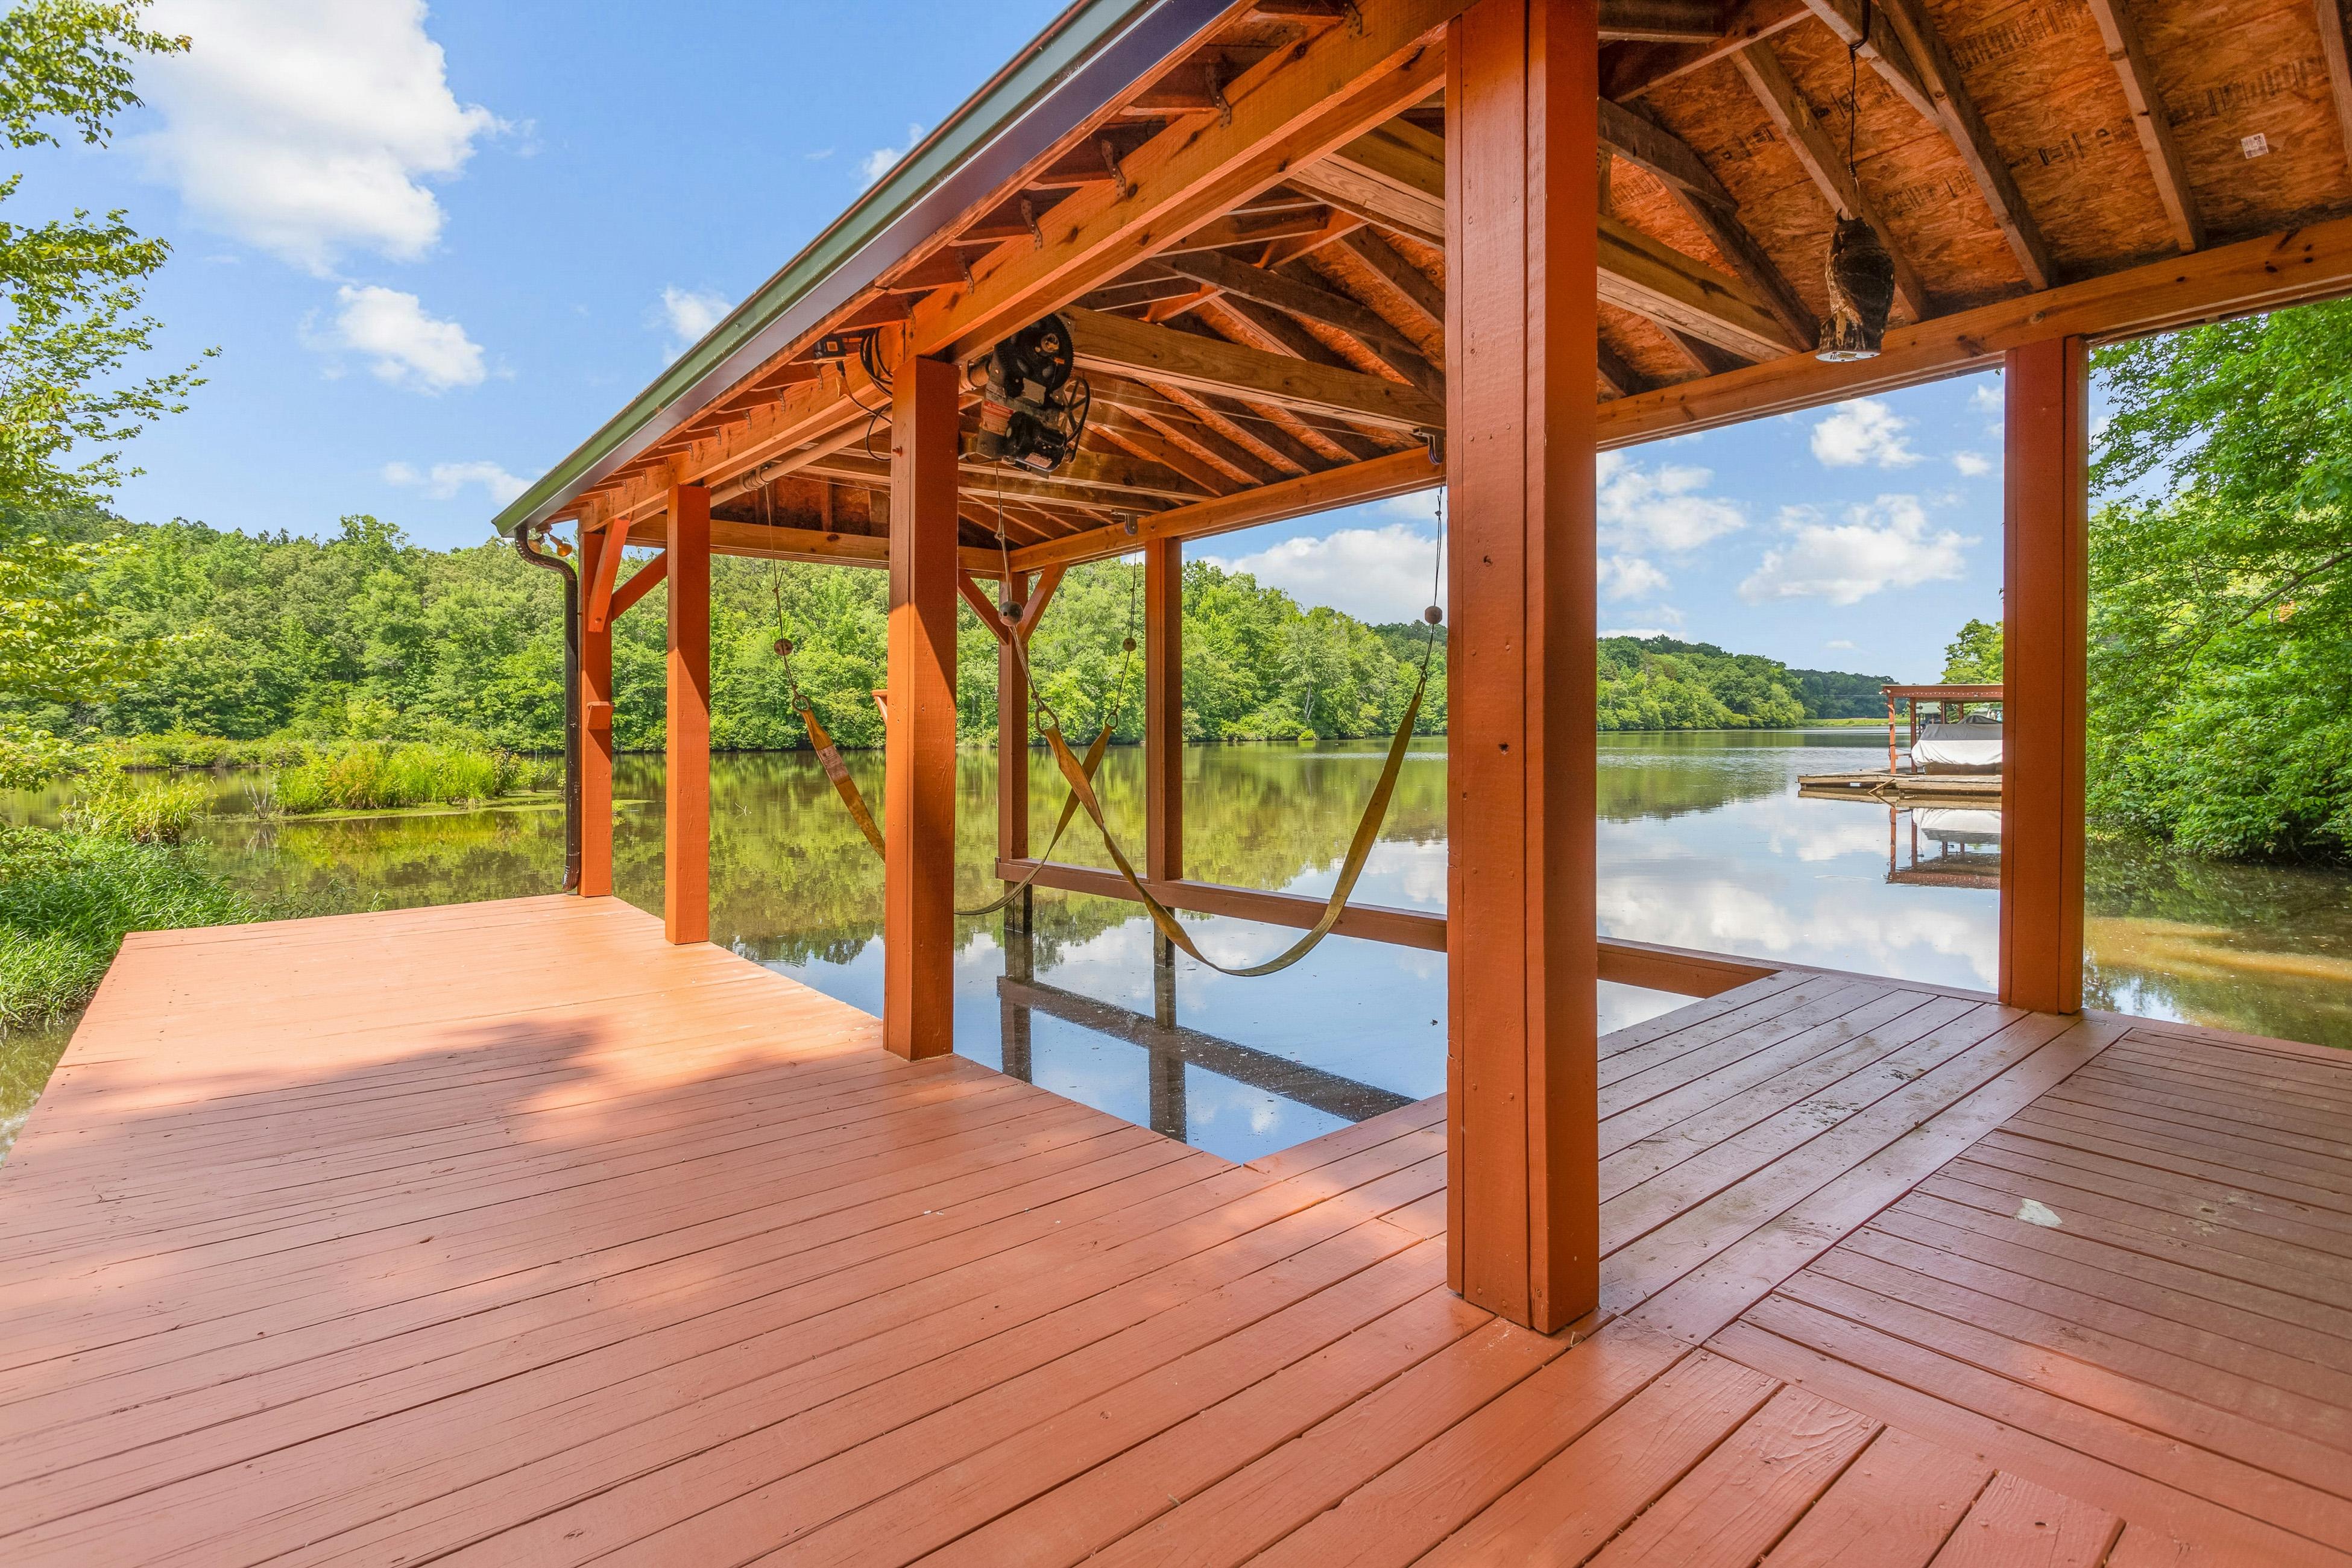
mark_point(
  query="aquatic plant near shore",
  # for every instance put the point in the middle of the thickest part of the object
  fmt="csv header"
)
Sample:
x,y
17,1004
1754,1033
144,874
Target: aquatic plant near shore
x,y
66,900
386,776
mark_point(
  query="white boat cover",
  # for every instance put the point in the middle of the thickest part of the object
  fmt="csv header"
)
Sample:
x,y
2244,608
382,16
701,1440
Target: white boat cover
x,y
1970,747
1958,824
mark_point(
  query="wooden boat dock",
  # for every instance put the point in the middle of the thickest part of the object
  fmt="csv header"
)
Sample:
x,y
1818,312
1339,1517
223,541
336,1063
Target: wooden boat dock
x,y
1904,789
507,1233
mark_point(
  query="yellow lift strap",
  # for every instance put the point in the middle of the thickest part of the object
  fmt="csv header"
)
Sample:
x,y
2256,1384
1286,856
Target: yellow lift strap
x,y
1360,847
829,755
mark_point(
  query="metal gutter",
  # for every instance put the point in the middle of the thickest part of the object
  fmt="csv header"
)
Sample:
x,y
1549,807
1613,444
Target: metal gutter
x,y
1073,70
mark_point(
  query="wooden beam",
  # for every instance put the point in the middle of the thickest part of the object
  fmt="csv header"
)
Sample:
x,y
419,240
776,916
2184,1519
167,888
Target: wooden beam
x,y
686,777
1621,378
1141,440
1660,21
1873,39
1092,478
1661,153
818,547
1163,709
1162,355
1284,293
2120,33
982,606
1801,132
1041,594
1652,279
596,729
1394,176
1281,332
596,613
1427,299
648,578
1629,72
919,728
1753,268
2330,15
1286,109
1956,111
1242,230
1522,1115
2045,605
1679,970
1398,473
2256,275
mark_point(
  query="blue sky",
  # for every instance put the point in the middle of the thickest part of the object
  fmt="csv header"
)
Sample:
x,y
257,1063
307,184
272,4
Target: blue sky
x,y
437,250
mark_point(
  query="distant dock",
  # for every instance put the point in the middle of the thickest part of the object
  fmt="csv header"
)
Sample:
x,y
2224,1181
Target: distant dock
x,y
1904,789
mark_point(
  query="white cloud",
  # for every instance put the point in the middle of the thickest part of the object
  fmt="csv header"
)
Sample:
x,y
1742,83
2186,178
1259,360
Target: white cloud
x,y
1865,431
307,129
1662,508
1973,464
444,480
403,345
1374,574
877,164
1989,398
1884,545
688,313
1629,577
1844,642
819,156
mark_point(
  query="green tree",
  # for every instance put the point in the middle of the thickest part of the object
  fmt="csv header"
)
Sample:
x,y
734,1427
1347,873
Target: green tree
x,y
1973,658
2220,651
71,287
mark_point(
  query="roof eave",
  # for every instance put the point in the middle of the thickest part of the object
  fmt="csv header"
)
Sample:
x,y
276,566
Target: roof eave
x,y
1076,67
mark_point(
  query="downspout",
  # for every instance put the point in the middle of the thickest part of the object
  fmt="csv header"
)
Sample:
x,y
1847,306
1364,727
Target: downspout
x,y
537,557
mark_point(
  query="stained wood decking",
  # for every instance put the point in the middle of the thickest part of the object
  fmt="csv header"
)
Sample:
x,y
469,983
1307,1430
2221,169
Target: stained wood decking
x,y
506,1234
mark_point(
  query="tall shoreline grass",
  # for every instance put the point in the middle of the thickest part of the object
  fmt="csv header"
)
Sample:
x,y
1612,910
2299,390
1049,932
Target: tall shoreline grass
x,y
302,776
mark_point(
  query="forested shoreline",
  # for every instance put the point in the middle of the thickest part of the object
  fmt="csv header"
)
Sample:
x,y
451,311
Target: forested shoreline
x,y
365,636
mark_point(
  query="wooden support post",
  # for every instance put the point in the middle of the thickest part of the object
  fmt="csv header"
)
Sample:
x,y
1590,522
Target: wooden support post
x,y
1522,349
1013,1018
1012,754
686,832
1163,709
918,756
2045,604
595,727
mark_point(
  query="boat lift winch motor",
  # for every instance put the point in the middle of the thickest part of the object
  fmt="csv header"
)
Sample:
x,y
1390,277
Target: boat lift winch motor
x,y
1033,401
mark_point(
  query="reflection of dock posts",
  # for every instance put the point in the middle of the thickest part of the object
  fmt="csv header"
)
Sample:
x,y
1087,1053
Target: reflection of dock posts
x,y
1293,1080
1013,1018
1163,981
1166,1069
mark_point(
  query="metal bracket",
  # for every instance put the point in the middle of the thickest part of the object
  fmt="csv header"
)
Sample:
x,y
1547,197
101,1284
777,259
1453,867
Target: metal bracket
x,y
1119,179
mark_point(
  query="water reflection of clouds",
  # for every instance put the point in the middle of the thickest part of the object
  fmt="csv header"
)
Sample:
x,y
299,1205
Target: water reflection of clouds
x,y
1739,865
1803,881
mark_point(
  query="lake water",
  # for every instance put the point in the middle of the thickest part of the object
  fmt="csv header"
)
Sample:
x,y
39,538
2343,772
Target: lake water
x,y
1704,843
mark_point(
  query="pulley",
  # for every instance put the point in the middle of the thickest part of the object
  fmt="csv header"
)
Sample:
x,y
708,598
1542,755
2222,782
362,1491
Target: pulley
x,y
1033,403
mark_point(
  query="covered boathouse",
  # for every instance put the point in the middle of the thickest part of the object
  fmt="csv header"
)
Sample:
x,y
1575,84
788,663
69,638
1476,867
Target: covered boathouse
x,y
542,1232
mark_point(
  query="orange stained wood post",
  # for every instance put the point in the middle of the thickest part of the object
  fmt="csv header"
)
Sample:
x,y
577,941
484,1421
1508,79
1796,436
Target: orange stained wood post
x,y
595,729
686,832
1522,335
1163,709
2045,606
918,759
1011,738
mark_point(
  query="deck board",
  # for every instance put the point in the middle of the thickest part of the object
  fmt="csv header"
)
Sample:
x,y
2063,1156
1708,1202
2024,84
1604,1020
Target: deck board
x,y
507,1234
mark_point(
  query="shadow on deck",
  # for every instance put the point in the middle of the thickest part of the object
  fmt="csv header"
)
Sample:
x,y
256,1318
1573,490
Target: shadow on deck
x,y
504,1233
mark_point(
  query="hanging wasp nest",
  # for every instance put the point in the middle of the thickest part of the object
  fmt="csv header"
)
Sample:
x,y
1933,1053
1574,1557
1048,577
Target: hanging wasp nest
x,y
1861,276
